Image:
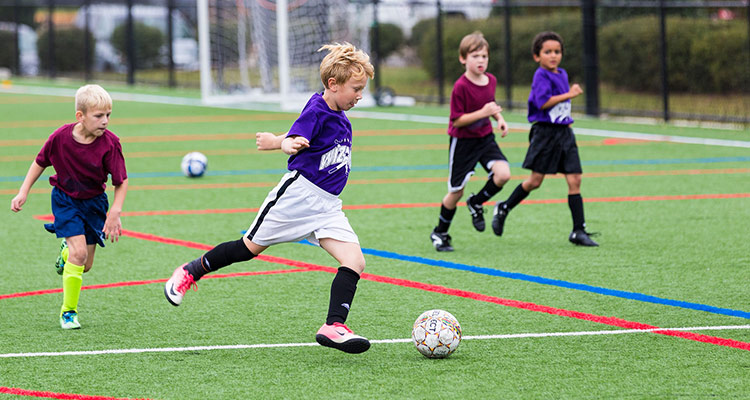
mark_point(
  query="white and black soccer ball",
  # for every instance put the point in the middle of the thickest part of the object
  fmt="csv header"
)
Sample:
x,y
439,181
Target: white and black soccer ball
x,y
436,334
194,164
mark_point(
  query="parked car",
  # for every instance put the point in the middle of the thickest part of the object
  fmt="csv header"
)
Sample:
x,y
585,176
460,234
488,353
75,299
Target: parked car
x,y
104,18
29,58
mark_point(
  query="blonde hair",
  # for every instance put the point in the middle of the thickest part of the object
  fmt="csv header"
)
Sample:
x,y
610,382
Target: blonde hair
x,y
344,61
92,97
472,42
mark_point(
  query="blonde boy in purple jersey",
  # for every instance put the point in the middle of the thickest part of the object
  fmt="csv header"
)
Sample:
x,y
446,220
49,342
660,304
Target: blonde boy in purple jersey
x,y
83,154
305,203
552,144
472,139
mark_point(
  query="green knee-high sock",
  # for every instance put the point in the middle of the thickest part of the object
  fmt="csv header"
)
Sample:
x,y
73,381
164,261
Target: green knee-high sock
x,y
72,279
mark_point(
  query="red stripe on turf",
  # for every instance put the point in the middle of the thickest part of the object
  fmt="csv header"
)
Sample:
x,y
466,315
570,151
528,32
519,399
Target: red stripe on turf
x,y
612,321
52,395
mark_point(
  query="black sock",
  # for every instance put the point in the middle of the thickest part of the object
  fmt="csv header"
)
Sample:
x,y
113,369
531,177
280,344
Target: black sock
x,y
446,216
575,203
516,197
220,256
489,190
342,293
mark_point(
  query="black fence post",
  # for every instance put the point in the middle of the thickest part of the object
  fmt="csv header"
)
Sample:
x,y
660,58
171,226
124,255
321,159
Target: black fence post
x,y
130,44
16,38
439,54
87,40
51,41
508,56
664,69
590,57
170,43
376,44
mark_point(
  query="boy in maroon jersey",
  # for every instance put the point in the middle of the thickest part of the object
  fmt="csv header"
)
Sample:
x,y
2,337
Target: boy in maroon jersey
x,y
472,139
83,154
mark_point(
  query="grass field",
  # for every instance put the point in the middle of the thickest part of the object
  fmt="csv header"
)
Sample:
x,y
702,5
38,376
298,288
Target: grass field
x,y
659,310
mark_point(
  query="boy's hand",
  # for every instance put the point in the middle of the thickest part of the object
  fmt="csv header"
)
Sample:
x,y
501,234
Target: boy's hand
x,y
266,141
17,203
502,125
294,144
112,227
575,90
491,108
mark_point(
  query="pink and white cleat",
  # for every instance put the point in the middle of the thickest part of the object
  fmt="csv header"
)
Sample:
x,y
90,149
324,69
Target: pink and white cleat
x,y
339,336
178,284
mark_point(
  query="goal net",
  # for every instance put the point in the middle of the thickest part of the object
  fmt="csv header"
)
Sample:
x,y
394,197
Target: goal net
x,y
265,51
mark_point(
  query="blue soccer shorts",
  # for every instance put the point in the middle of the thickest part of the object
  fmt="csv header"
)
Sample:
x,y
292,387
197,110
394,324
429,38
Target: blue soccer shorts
x,y
75,217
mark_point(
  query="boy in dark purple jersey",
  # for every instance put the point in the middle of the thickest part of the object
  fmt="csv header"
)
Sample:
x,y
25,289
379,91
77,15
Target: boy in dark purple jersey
x,y
305,203
83,155
472,139
552,146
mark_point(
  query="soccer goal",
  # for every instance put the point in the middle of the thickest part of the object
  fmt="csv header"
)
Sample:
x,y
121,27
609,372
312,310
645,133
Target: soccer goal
x,y
264,51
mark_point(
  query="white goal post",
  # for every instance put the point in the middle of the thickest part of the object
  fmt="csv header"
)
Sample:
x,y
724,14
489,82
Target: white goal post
x,y
265,51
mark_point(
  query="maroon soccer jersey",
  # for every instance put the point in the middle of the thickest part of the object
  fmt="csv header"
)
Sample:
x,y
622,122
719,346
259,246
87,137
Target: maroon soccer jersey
x,y
82,169
466,98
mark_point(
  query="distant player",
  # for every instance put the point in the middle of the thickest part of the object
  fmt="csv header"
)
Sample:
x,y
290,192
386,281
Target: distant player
x,y
552,146
83,154
305,203
472,139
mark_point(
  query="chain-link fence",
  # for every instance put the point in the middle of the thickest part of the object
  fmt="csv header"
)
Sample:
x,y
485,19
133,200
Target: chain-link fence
x,y
665,59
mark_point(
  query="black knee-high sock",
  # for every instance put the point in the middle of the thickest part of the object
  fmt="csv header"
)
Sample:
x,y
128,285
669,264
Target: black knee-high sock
x,y
516,197
575,203
342,293
489,190
220,256
446,216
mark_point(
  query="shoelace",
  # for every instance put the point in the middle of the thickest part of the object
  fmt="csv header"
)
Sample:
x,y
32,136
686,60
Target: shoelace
x,y
187,283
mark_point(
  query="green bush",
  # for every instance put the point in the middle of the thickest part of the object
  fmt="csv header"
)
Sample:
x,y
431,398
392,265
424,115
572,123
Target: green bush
x,y
69,47
523,30
390,37
702,55
148,44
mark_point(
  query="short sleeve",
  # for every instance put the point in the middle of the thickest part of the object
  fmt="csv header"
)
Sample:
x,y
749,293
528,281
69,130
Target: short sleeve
x,y
305,125
43,158
541,89
115,163
458,102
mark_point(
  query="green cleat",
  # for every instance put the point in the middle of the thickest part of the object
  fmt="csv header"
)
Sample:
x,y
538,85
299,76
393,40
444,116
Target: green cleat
x,y
69,320
62,258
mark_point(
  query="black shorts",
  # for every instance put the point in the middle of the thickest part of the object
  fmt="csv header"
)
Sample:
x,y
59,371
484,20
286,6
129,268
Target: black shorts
x,y
552,149
464,154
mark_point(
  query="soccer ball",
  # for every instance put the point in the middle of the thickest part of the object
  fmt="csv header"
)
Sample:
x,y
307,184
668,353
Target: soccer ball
x,y
436,334
194,164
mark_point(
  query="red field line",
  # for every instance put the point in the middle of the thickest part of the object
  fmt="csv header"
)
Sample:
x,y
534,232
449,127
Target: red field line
x,y
612,321
52,395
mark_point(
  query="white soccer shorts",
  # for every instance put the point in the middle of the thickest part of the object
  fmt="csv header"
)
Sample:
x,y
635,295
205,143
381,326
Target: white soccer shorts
x,y
297,209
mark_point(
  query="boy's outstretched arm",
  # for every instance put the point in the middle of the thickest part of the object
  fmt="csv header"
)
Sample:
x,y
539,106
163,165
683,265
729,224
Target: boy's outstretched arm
x,y
113,226
268,141
35,171
574,91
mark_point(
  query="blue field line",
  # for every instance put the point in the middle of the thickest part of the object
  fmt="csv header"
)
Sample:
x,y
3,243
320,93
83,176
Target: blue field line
x,y
559,283
383,168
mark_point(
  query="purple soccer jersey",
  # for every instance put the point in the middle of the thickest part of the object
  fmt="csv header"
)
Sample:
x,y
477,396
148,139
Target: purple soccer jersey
x,y
82,169
467,97
327,161
545,85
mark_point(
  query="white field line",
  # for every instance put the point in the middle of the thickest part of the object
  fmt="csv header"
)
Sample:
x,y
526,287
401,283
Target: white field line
x,y
146,98
384,341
